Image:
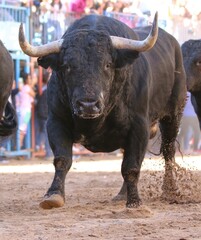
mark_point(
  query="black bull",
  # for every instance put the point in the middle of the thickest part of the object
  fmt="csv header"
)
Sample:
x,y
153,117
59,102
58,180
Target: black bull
x,y
191,51
8,119
106,98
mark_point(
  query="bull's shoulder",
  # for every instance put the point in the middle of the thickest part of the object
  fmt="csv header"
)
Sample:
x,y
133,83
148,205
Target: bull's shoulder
x,y
58,103
163,35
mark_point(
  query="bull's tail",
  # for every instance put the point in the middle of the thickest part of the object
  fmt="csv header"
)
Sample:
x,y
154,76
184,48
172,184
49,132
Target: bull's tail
x,y
8,123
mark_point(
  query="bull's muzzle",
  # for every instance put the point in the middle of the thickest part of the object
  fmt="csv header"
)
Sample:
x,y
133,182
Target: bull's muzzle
x,y
88,109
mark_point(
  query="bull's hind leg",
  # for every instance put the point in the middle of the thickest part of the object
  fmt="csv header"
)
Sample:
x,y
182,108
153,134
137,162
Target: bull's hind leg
x,y
61,145
169,129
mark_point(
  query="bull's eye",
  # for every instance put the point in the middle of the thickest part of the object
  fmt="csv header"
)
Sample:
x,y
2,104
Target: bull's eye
x,y
108,65
65,68
198,63
68,69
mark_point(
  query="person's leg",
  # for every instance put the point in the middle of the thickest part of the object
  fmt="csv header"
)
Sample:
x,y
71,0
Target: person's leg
x,y
182,136
25,117
187,133
47,145
196,132
37,132
22,134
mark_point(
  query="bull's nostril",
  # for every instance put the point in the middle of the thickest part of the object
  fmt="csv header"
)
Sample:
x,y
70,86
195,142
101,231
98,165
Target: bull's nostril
x,y
87,104
95,108
90,107
80,105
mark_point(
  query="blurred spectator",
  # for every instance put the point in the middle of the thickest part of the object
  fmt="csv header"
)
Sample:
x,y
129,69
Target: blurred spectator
x,y
37,3
14,92
11,2
93,7
57,18
108,6
189,134
44,19
77,6
56,6
42,113
118,6
24,100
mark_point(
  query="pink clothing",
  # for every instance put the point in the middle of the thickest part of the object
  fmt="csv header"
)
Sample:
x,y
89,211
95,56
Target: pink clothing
x,y
25,100
77,6
23,105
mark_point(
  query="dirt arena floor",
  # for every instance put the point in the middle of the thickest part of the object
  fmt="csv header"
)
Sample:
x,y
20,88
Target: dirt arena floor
x,y
89,212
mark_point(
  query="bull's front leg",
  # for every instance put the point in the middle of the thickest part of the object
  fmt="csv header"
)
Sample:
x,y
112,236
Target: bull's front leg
x,y
122,195
134,153
61,145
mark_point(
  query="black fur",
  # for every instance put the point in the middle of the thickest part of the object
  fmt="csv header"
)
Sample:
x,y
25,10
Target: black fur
x,y
191,51
8,118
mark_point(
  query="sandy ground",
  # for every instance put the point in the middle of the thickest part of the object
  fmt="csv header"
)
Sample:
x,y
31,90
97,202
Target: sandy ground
x,y
89,212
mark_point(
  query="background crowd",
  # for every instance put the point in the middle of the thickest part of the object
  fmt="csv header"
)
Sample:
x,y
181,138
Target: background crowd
x,y
174,15
25,98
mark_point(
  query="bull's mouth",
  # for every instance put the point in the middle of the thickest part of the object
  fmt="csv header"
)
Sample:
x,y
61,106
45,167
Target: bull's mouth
x,y
88,116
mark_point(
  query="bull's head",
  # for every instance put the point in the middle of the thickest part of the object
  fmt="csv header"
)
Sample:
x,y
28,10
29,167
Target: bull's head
x,y
85,63
191,51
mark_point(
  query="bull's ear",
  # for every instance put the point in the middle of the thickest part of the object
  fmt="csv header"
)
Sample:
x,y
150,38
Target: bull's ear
x,y
125,57
50,60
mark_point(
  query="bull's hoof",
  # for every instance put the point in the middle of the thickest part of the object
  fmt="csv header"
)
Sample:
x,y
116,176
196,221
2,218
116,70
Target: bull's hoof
x,y
52,201
120,197
134,204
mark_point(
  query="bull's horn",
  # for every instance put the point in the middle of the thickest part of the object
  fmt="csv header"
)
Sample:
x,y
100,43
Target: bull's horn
x,y
140,46
38,51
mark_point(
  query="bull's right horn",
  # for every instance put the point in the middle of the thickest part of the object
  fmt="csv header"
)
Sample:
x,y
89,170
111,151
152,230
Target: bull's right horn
x,y
138,45
38,51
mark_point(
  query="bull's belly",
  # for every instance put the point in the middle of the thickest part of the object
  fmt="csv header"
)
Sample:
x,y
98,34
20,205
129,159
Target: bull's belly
x,y
108,140
98,148
101,144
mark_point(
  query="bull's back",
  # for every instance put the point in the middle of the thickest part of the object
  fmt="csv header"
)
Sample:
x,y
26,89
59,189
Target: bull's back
x,y
164,56
167,70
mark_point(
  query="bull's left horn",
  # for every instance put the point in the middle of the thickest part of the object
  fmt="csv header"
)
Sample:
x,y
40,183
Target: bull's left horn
x,y
38,51
140,46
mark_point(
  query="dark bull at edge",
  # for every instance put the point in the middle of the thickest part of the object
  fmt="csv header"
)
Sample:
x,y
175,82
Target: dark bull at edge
x,y
8,117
